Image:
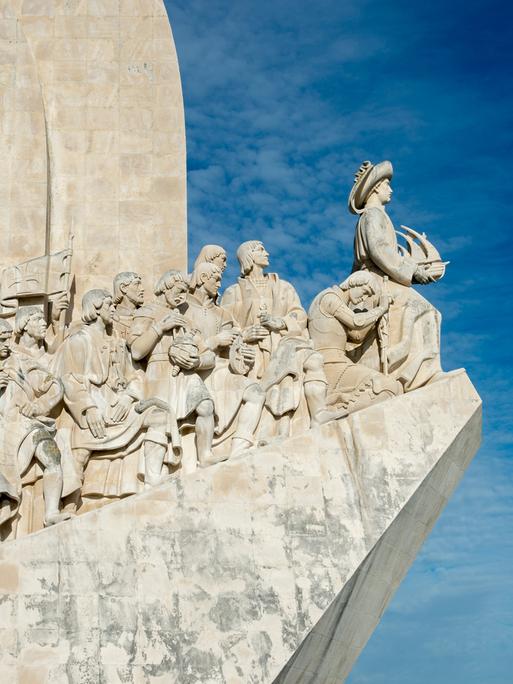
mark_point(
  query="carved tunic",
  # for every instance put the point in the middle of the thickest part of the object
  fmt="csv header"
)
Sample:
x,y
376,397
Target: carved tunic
x,y
183,390
226,386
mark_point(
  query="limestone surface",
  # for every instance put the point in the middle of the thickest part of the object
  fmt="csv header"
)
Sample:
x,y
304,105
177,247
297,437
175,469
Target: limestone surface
x,y
272,567
92,137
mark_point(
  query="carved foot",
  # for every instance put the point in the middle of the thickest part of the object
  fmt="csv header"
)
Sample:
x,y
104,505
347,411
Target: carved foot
x,y
325,416
211,459
55,518
239,446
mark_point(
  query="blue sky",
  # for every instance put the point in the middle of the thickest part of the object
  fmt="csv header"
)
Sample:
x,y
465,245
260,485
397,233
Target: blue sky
x,y
284,99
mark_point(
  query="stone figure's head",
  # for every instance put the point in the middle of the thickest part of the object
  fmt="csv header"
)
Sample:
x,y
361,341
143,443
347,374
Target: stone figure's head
x,y
371,180
173,287
250,253
128,284
30,320
213,254
208,276
98,304
360,287
5,339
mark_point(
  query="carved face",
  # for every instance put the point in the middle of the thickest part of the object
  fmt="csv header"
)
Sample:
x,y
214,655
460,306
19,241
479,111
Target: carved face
x,y
5,344
36,326
177,294
107,311
212,283
360,295
260,256
384,191
220,261
134,292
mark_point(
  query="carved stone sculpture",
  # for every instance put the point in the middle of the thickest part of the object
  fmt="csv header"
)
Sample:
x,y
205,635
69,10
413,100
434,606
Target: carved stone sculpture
x,y
345,312
213,254
128,297
238,399
102,392
269,312
175,354
28,394
413,354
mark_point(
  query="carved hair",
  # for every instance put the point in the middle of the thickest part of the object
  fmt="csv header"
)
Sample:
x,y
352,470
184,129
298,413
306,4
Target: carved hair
x,y
23,316
166,281
203,268
244,255
92,302
124,278
359,279
208,253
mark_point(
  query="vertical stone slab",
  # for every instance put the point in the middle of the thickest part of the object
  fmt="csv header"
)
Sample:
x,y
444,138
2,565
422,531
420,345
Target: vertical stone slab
x,y
115,131
23,167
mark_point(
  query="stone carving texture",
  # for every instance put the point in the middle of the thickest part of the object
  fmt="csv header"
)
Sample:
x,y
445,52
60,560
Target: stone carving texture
x,y
220,575
318,459
94,88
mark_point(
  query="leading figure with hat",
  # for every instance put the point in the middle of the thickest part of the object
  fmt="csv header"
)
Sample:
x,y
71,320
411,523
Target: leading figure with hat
x,y
413,324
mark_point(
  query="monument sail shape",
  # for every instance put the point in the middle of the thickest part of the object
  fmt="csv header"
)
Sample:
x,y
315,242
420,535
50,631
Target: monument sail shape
x,y
223,489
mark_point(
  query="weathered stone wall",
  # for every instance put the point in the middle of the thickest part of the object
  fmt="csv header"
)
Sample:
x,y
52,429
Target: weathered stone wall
x,y
219,576
94,137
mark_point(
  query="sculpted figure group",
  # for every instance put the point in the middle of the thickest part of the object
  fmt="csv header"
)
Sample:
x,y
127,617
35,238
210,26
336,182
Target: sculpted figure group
x,y
141,388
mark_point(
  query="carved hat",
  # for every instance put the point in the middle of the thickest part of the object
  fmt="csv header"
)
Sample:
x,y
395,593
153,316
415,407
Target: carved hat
x,y
365,180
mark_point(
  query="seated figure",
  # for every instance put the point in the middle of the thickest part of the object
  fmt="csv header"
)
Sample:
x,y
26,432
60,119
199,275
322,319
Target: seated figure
x,y
269,312
175,356
335,316
29,392
238,400
103,393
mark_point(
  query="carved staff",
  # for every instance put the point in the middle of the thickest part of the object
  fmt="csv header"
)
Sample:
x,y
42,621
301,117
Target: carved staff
x,y
383,332
62,315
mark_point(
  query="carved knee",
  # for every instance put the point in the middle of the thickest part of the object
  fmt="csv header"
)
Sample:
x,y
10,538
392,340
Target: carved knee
x,y
254,394
47,452
205,408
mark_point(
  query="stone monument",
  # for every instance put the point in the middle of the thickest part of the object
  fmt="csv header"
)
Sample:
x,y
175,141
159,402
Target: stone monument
x,y
193,488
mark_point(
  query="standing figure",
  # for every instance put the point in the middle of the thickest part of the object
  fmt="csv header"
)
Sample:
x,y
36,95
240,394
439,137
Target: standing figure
x,y
128,297
28,394
176,355
413,356
238,400
269,312
335,317
102,392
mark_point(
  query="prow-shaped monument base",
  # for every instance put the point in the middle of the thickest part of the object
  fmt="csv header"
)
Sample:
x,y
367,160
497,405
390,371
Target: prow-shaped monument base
x,y
275,567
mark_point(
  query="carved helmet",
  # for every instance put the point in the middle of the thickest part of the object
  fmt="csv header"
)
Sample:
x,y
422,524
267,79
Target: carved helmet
x,y
365,180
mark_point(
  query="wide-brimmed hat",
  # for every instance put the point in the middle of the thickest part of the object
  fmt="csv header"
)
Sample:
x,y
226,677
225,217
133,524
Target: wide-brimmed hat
x,y
365,180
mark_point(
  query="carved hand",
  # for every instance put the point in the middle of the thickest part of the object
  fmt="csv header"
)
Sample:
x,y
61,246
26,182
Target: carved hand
x,y
385,301
29,409
170,321
272,322
422,276
186,360
122,408
255,333
61,303
225,338
95,422
248,353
